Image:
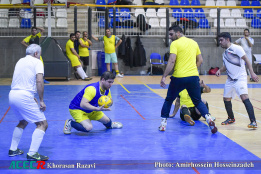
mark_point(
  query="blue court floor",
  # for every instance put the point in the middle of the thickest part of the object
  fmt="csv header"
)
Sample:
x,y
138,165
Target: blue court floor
x,y
136,148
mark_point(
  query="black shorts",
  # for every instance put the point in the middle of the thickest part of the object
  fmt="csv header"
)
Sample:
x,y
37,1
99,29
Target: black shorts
x,y
194,115
85,60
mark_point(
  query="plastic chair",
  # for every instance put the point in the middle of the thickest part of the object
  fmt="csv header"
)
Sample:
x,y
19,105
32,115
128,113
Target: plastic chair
x,y
210,3
173,2
248,13
184,2
101,23
231,3
117,20
213,13
61,13
235,13
177,13
111,13
125,13
151,13
255,3
26,23
52,23
124,25
161,13
16,2
230,23
241,23
100,2
62,23
199,13
258,13
203,23
220,3
3,23
195,2
155,60
139,11
222,25
188,13
111,2
154,22
245,3
3,13
5,2
255,23
225,13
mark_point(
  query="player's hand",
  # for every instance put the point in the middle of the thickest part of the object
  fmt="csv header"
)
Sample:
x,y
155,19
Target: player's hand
x,y
162,82
255,77
102,108
172,115
42,106
218,73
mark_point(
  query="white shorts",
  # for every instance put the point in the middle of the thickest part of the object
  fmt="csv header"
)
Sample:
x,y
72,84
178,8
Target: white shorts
x,y
238,87
23,104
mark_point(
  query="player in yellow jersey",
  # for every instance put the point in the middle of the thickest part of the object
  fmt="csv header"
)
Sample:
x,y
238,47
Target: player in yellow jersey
x,y
34,38
84,46
188,111
110,50
75,58
185,57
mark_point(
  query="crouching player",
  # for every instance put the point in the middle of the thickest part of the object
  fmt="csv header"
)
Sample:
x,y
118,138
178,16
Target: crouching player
x,y
84,107
188,111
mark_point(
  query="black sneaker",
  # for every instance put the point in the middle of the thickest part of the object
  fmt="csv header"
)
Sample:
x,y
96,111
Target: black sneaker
x,y
37,157
15,152
228,121
87,79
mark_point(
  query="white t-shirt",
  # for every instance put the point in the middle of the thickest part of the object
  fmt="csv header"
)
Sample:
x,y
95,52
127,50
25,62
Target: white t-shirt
x,y
243,42
24,77
232,60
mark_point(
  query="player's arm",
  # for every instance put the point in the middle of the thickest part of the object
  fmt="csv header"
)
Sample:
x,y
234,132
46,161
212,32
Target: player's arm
x,y
95,38
218,73
170,65
24,43
40,90
74,52
85,104
82,45
177,105
249,66
90,42
206,88
238,41
248,42
199,60
41,29
118,44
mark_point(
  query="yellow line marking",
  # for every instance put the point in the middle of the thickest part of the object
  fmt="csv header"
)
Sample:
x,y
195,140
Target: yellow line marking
x,y
144,84
122,85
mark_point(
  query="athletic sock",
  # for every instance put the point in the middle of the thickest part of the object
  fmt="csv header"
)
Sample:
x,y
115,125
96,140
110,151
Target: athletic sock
x,y
250,110
17,134
228,106
108,125
81,73
117,72
37,138
78,126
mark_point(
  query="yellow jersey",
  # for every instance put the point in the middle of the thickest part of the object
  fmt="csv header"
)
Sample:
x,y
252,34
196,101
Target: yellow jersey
x,y
68,47
83,51
109,44
186,51
90,93
185,99
33,39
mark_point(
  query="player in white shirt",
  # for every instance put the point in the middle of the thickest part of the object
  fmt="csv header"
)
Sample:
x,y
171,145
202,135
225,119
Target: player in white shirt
x,y
246,43
234,59
27,80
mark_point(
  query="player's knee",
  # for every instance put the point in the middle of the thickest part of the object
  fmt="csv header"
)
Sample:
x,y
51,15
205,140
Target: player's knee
x,y
88,127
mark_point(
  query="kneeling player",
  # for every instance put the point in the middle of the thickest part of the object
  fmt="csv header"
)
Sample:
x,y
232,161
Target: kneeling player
x,y
188,111
84,107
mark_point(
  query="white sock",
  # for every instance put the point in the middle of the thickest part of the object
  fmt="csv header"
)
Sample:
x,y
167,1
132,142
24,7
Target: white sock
x,y
17,134
37,138
208,117
164,121
81,73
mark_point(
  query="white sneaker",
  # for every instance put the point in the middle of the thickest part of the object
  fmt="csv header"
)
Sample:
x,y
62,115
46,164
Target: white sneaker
x,y
116,125
120,75
67,127
211,123
163,124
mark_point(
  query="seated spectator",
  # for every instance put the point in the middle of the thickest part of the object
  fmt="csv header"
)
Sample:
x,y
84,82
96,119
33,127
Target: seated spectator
x,y
124,2
150,2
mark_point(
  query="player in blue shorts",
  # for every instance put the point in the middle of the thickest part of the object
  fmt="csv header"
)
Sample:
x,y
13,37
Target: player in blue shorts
x,y
84,107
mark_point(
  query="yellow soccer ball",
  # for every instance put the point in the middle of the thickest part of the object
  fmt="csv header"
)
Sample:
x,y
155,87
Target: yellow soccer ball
x,y
105,100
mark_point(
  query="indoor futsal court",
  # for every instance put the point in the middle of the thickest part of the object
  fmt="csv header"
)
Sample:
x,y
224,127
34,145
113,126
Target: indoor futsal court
x,y
139,144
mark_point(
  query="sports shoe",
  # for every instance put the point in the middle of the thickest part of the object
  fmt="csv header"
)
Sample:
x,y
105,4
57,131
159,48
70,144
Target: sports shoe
x,y
87,79
163,124
228,121
120,75
15,152
189,120
252,80
211,124
37,157
67,127
252,125
46,82
116,125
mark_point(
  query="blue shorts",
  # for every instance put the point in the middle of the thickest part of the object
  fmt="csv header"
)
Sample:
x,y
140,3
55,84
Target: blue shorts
x,y
111,58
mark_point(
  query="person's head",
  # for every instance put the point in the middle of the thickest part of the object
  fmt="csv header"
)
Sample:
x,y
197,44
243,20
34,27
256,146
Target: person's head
x,y
246,32
175,32
34,31
224,40
34,50
84,34
77,34
107,79
108,32
72,37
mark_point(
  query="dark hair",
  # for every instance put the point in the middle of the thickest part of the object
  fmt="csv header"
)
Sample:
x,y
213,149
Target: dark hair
x,y
77,32
176,28
107,29
84,32
33,28
107,75
246,30
72,34
225,35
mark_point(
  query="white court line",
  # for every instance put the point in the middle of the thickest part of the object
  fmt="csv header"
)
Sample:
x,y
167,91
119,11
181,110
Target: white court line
x,y
234,112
